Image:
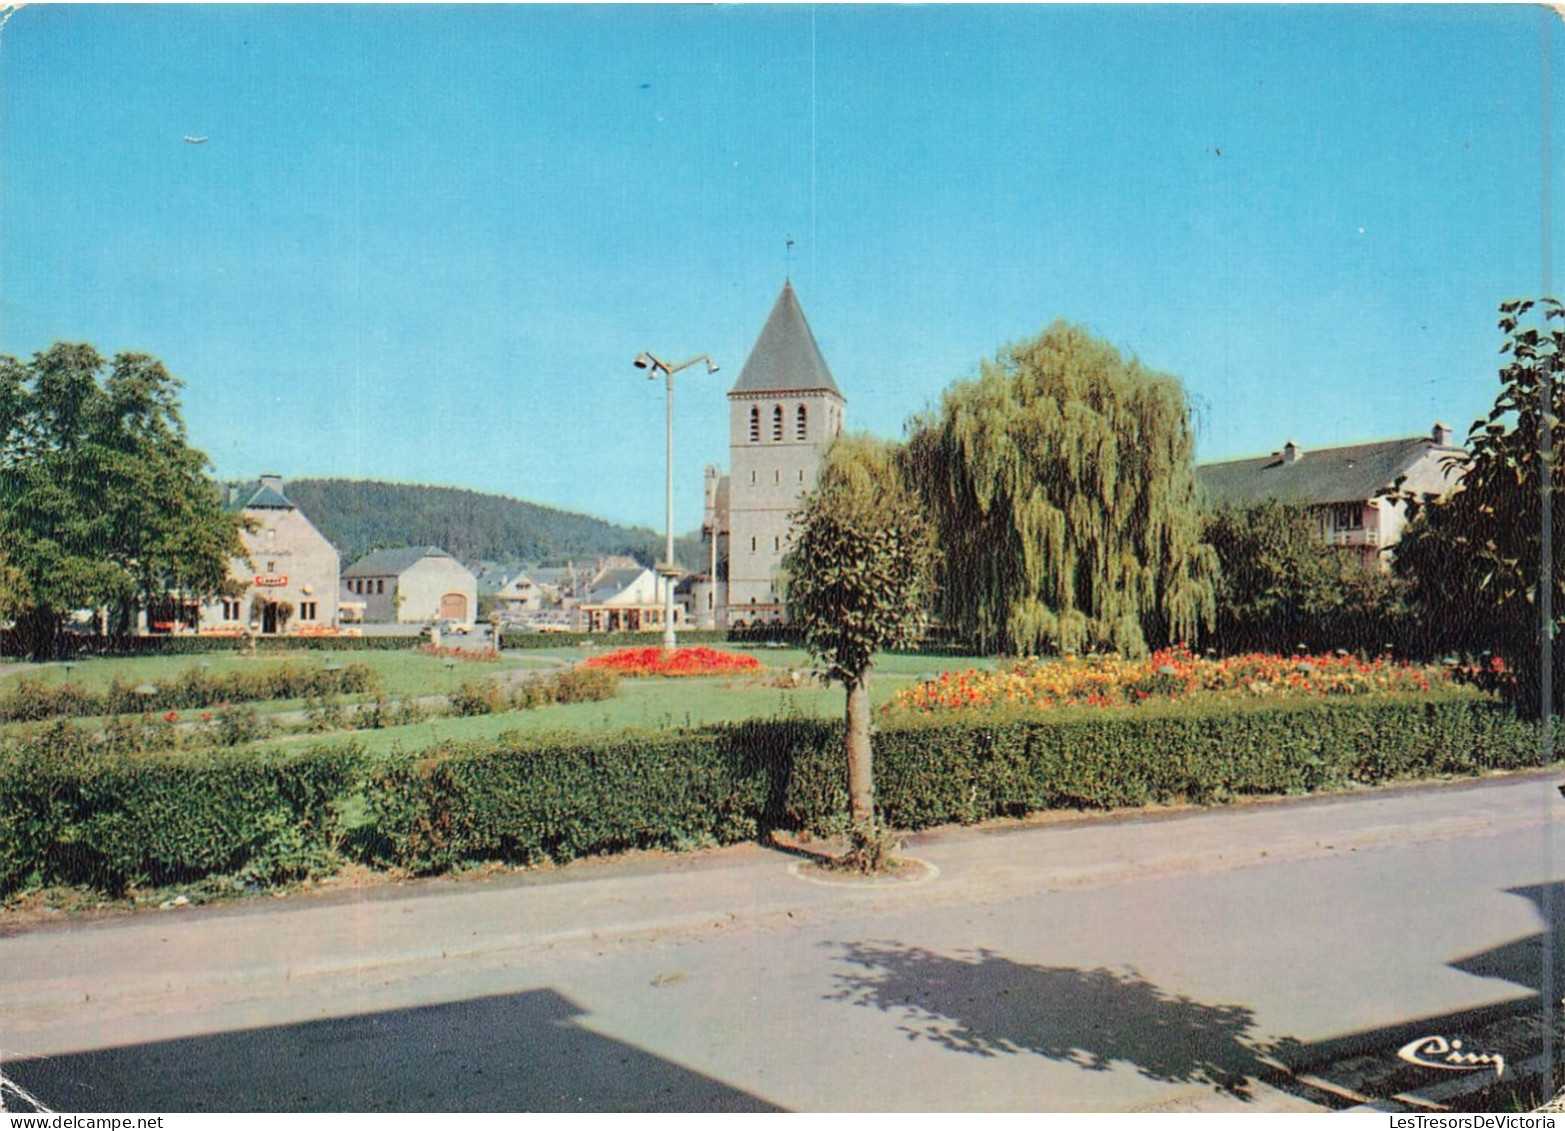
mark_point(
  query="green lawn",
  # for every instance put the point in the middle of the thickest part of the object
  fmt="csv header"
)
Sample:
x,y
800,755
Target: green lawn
x,y
657,703
648,702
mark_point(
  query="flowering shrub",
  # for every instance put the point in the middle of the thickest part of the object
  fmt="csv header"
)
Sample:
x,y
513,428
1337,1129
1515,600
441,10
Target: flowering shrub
x,y
484,655
1489,673
682,661
1172,673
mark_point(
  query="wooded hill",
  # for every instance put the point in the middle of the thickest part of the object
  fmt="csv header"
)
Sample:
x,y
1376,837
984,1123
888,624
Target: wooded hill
x,y
359,516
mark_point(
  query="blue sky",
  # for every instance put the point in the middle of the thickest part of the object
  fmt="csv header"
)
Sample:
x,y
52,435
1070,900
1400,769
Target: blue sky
x,y
423,243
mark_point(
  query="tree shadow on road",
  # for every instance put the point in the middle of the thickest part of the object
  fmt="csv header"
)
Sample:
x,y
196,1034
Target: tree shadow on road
x,y
984,1004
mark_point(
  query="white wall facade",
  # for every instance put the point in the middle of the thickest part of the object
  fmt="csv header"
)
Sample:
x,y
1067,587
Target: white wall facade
x,y
434,588
290,562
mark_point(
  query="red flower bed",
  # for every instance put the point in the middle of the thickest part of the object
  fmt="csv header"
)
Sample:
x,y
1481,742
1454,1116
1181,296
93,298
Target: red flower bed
x,y
683,661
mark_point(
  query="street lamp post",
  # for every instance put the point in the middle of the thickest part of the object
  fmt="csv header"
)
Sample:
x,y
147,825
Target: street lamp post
x,y
666,568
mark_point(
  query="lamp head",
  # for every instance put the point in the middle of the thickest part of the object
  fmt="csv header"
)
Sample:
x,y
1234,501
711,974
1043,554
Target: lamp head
x,y
644,360
711,366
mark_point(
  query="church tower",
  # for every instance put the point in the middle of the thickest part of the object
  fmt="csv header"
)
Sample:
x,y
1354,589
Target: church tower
x,y
783,413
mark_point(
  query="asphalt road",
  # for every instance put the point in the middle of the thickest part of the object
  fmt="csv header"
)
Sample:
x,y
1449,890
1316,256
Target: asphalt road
x,y
1127,963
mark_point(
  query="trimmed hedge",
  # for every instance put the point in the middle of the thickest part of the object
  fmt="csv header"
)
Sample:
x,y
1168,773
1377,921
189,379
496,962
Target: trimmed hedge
x,y
72,811
30,700
521,639
529,799
78,644
72,814
930,773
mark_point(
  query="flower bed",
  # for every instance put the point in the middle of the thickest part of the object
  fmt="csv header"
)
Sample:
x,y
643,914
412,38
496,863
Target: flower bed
x,y
1172,673
457,652
682,661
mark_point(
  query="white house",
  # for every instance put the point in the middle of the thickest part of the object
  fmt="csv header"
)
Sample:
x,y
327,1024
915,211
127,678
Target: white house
x,y
413,585
624,599
290,581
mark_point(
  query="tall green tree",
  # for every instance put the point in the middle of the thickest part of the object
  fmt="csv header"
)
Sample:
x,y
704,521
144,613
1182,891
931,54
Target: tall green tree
x,y
1282,585
1475,561
858,575
102,499
1279,579
1060,484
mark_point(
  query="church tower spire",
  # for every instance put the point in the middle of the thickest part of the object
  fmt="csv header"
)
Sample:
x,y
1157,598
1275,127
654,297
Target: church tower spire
x,y
784,411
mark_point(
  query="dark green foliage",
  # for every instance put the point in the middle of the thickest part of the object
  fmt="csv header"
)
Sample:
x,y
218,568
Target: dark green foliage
x,y
526,800
531,799
29,700
360,516
102,500
861,562
858,582
73,810
934,773
1283,587
74,813
1475,560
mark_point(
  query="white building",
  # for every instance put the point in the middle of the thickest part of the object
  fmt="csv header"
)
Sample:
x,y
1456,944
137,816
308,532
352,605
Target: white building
x,y
413,585
624,599
290,582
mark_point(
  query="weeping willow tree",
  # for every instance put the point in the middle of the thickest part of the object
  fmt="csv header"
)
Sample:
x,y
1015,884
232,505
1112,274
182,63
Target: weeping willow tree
x,y
1061,488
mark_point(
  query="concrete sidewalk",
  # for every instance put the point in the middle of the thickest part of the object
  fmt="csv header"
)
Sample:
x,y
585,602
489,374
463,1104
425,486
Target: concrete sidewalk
x,y
731,967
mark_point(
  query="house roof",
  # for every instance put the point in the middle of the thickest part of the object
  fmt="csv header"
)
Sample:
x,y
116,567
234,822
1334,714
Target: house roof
x,y
785,358
611,583
1323,475
552,575
268,497
389,563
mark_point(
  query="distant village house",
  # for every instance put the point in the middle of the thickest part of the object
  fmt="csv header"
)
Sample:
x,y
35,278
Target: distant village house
x,y
413,585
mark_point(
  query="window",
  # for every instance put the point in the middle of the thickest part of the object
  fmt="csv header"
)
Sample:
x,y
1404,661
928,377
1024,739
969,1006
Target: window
x,y
380,585
777,422
230,610
801,475
1347,516
777,475
307,610
752,545
752,475
801,425
755,425
776,543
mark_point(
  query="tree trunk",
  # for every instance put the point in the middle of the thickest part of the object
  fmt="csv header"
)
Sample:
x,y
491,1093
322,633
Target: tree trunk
x,y
861,771
38,630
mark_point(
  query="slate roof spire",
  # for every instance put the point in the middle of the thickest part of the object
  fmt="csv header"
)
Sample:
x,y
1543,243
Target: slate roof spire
x,y
785,358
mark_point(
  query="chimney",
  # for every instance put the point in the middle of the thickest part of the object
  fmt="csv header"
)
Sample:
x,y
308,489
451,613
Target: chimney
x,y
1440,434
272,480
1290,452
